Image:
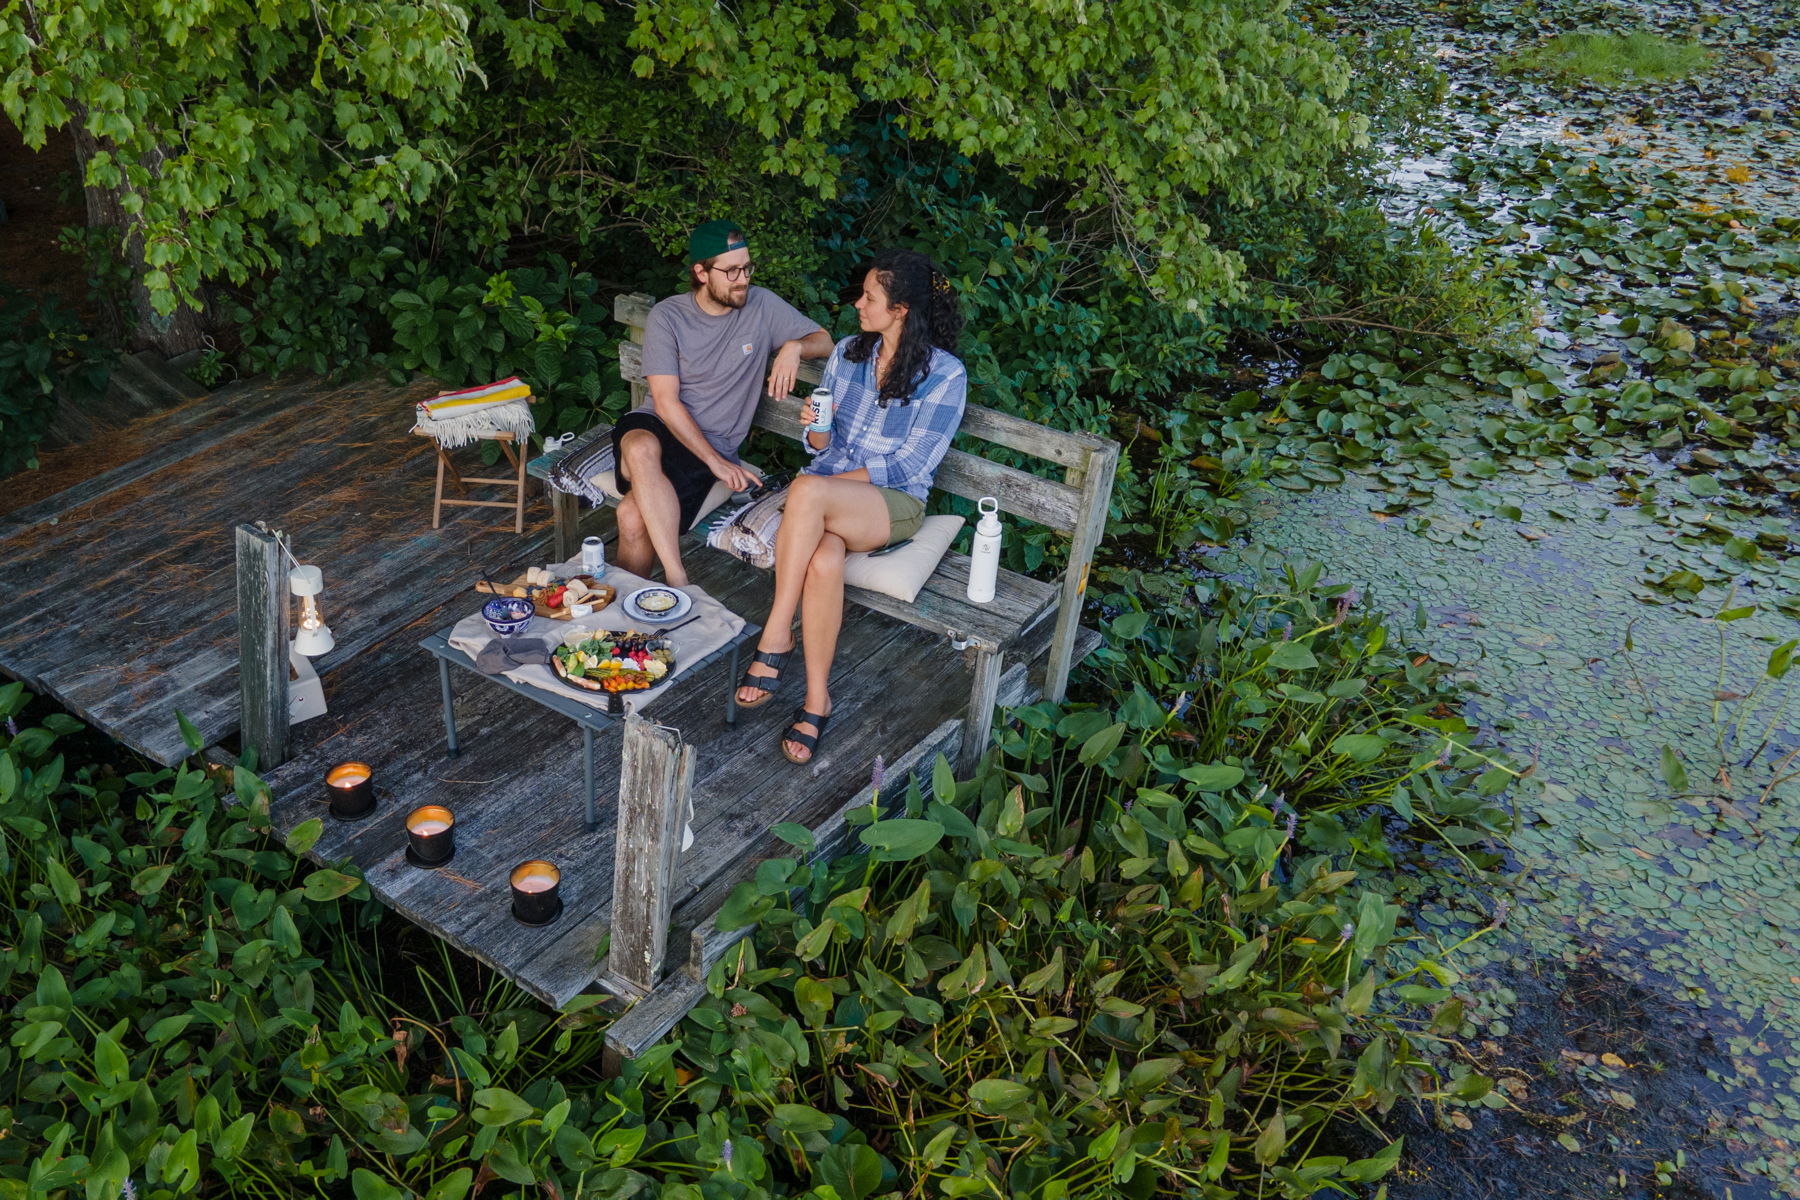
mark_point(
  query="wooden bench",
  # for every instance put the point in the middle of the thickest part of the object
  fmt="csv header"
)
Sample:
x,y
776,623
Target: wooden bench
x,y
1074,506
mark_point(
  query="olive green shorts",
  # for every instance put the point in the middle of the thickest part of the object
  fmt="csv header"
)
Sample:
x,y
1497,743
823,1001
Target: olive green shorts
x,y
905,514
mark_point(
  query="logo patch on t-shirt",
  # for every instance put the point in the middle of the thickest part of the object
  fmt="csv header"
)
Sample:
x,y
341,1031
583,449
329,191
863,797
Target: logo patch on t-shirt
x,y
749,347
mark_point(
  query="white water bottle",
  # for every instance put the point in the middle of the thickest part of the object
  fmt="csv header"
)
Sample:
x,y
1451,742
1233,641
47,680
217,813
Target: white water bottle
x,y
984,556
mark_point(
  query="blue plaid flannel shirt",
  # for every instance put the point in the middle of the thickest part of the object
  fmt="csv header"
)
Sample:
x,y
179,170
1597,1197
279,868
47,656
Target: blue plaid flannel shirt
x,y
900,445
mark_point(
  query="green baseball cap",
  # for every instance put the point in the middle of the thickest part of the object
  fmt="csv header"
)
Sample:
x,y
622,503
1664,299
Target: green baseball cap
x,y
715,238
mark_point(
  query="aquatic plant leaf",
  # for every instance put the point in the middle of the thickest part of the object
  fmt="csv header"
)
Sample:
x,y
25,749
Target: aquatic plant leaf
x,y
1213,777
1673,773
329,885
998,1095
795,834
497,1106
1360,747
304,835
1292,656
902,838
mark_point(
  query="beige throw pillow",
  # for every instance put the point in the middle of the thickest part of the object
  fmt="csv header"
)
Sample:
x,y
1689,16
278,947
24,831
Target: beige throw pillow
x,y
901,573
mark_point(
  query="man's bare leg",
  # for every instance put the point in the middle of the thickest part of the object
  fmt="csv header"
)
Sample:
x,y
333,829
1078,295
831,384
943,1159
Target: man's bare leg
x,y
657,510
633,552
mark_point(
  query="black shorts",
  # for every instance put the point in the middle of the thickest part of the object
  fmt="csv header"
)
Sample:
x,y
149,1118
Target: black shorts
x,y
691,478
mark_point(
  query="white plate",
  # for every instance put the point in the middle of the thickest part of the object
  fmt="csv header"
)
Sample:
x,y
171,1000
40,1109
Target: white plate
x,y
683,602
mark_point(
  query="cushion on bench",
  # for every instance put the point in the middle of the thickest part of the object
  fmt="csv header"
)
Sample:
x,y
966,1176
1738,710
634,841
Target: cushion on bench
x,y
901,573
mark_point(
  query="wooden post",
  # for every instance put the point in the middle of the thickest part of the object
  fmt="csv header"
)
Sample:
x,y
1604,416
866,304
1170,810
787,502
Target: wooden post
x,y
262,600
1095,478
654,777
978,722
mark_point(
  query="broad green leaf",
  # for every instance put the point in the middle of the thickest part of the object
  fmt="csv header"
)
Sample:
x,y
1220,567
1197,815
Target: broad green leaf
x,y
1360,747
902,838
497,1106
190,736
1272,1140
796,835
329,885
1099,746
801,1118
1674,774
1368,1170
1292,656
998,1095
1213,777
305,835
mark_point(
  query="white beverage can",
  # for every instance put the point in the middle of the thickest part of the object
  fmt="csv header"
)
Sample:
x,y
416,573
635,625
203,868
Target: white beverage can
x,y
822,411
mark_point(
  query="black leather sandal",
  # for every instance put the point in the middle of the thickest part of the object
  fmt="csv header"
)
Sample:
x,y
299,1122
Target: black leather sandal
x,y
766,684
810,741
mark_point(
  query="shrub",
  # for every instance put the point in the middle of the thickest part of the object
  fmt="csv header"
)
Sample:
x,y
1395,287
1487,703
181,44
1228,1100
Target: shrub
x,y
45,357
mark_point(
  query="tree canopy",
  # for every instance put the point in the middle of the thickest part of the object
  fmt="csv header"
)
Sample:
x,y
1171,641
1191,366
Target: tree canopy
x,y
233,126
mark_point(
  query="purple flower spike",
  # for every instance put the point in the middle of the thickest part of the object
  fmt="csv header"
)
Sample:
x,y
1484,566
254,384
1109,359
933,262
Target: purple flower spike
x,y
1181,706
1346,933
1277,804
725,1153
876,774
129,1191
1501,908
1293,820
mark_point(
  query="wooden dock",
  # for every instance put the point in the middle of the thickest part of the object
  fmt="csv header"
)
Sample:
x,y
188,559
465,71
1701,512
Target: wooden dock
x,y
120,589
121,605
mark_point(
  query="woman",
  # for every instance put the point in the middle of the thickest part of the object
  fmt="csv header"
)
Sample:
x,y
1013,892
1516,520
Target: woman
x,y
899,395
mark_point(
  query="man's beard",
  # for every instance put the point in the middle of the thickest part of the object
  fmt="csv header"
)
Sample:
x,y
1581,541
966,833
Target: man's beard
x,y
730,297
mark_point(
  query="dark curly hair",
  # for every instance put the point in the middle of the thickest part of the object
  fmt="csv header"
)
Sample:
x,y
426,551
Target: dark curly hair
x,y
932,319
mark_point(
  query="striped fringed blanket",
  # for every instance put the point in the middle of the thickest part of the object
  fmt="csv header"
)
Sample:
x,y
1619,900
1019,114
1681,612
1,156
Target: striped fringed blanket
x,y
458,418
580,470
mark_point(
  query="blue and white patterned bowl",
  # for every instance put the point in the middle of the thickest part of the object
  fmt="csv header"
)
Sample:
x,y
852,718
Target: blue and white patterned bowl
x,y
506,615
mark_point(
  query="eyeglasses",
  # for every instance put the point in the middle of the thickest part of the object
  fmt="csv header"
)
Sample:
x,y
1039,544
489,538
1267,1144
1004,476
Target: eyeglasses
x,y
735,273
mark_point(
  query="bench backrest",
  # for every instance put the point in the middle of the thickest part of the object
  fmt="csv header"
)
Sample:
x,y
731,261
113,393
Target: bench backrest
x,y
1074,505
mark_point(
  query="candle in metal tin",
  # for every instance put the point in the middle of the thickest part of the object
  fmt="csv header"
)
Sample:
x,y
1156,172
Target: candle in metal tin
x,y
351,789
430,836
534,890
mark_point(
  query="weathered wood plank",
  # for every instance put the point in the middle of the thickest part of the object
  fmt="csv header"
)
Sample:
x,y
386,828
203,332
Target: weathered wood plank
x,y
656,776
1096,478
648,1020
142,448
262,644
943,605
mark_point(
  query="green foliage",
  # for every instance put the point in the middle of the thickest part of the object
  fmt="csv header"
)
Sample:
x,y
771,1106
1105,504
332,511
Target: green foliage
x,y
1297,685
1115,963
1131,113
332,311
45,357
1110,965
219,121
1608,58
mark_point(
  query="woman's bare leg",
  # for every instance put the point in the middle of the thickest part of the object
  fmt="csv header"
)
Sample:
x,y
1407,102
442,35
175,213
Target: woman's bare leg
x,y
821,619
817,505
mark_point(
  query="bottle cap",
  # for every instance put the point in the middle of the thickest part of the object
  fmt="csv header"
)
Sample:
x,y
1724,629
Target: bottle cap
x,y
989,508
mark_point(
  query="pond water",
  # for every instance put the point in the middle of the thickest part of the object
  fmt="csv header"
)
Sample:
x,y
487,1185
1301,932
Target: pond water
x,y
1580,597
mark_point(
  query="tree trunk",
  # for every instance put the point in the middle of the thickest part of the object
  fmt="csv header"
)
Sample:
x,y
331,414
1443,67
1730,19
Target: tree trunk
x,y
137,325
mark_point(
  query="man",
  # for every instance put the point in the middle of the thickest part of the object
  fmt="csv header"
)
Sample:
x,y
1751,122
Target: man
x,y
703,356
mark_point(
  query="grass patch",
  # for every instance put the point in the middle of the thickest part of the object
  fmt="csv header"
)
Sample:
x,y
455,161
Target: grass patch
x,y
1607,58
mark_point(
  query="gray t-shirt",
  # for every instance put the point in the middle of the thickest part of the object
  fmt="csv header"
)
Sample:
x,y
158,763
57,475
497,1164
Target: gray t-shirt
x,y
722,362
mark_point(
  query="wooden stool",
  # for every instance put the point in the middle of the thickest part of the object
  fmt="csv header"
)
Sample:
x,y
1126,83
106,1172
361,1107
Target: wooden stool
x,y
514,456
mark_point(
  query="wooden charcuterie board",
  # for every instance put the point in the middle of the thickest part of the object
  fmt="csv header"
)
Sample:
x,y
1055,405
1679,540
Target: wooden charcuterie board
x,y
604,594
